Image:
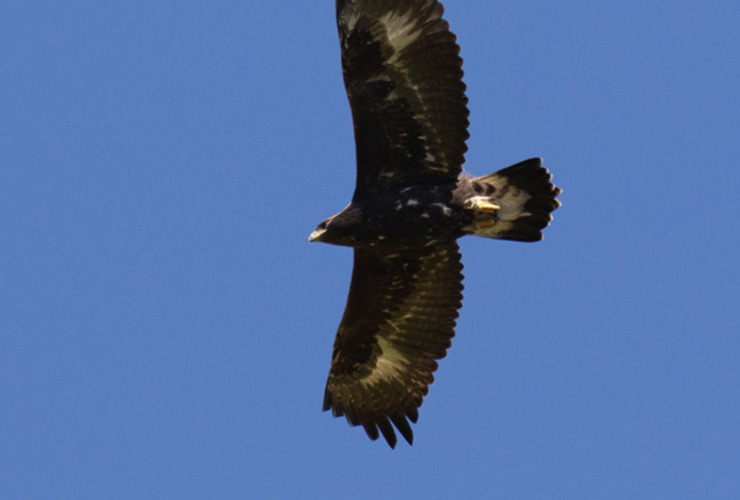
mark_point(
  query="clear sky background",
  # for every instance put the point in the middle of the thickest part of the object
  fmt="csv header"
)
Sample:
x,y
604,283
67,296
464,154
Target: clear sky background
x,y
166,331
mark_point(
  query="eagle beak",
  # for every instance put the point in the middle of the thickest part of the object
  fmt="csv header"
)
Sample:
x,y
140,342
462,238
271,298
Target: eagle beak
x,y
316,235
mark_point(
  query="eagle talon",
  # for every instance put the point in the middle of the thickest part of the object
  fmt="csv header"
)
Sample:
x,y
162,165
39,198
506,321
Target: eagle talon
x,y
481,204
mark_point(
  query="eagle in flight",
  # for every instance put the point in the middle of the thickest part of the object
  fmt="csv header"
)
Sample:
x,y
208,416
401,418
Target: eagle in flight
x,y
403,76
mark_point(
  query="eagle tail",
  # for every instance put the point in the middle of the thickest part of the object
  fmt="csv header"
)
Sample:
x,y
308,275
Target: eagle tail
x,y
514,203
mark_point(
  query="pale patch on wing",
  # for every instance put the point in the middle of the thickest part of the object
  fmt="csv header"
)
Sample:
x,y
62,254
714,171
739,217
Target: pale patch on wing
x,y
350,17
389,364
402,29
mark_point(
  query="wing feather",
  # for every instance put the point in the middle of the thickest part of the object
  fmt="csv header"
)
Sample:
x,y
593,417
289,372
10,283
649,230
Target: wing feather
x,y
403,76
399,319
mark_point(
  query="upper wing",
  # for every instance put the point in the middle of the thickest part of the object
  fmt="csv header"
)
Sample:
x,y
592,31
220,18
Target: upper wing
x,y
400,318
403,76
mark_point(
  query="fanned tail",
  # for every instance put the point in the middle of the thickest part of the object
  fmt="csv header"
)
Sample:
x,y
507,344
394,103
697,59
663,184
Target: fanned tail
x,y
514,203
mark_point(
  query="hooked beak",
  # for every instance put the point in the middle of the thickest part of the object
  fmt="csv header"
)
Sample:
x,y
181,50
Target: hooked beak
x,y
316,235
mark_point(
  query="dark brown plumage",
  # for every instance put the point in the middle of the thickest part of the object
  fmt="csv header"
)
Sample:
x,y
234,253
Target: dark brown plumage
x,y
403,77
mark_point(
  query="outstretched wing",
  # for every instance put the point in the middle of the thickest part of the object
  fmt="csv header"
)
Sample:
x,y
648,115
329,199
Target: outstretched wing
x,y
403,77
399,319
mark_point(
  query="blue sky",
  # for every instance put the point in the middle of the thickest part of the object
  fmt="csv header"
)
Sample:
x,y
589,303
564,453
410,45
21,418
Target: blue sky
x,y
166,330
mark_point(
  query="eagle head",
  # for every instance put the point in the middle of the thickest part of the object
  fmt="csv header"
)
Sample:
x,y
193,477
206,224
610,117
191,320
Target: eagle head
x,y
339,229
321,230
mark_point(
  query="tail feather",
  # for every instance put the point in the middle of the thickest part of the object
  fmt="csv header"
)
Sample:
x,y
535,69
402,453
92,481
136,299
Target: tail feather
x,y
523,197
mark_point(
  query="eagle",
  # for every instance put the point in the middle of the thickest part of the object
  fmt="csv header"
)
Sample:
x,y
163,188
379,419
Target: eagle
x,y
412,201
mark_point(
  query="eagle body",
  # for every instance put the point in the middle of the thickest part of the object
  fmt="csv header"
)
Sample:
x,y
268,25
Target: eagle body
x,y
398,219
412,201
